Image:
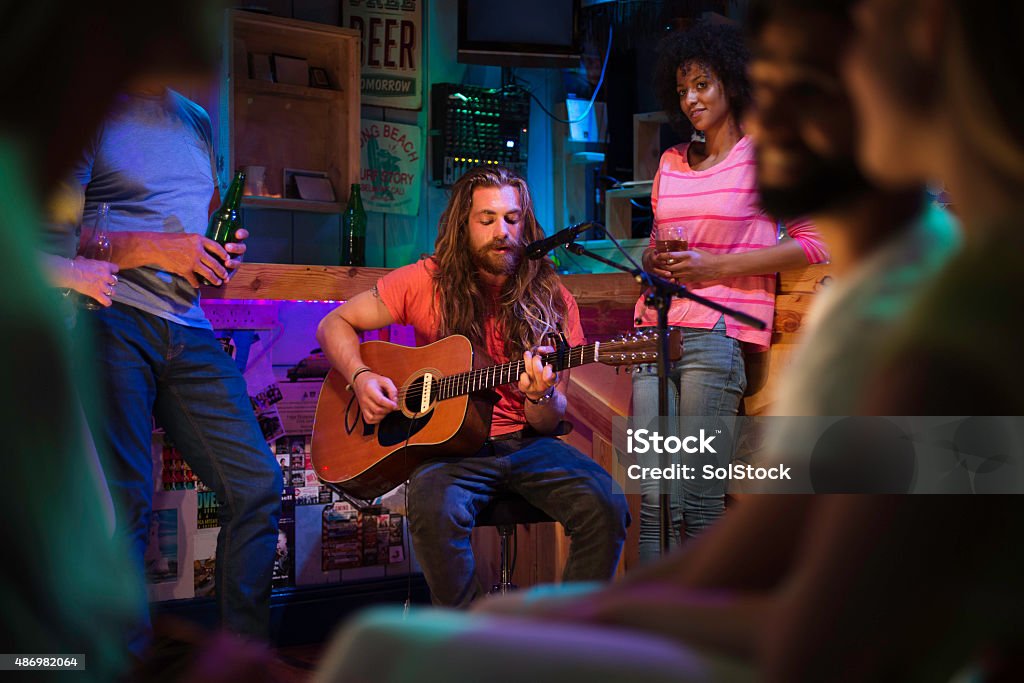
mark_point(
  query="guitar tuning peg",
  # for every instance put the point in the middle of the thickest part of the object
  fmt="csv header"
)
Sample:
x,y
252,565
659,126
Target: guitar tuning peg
x,y
616,369
637,369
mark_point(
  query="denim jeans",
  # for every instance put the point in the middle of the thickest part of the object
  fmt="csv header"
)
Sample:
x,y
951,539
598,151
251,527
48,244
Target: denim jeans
x,y
149,367
708,381
445,496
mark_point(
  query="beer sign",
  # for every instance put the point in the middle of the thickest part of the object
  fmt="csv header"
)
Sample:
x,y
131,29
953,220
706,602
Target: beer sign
x,y
390,52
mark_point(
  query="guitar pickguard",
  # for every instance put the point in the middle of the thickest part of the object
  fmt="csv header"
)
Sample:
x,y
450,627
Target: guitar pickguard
x,y
396,428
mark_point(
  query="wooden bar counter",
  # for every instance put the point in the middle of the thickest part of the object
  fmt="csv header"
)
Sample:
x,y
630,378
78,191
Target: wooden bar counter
x,y
606,305
595,394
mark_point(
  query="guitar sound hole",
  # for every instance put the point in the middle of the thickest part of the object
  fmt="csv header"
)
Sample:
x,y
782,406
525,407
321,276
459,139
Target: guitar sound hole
x,y
414,395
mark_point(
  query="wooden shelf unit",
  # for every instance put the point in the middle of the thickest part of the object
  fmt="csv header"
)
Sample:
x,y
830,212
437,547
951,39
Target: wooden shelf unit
x,y
279,125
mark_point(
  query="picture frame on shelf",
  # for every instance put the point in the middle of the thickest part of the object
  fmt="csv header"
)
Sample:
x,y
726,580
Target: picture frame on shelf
x,y
290,70
318,77
314,186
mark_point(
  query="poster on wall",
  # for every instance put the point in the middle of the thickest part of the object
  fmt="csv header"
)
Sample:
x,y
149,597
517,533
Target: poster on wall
x,y
170,552
390,167
391,33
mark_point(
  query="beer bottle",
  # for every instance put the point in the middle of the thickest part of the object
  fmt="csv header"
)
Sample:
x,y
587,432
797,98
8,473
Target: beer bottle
x,y
353,230
224,222
98,247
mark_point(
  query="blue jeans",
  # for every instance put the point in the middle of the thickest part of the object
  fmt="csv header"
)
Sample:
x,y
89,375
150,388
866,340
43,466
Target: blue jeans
x,y
445,496
708,381
149,367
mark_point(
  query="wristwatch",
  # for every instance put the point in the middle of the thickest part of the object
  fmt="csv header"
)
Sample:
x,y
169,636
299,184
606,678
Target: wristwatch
x,y
545,398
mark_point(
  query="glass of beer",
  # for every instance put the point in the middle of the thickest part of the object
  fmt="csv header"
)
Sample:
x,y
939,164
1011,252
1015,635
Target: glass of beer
x,y
670,238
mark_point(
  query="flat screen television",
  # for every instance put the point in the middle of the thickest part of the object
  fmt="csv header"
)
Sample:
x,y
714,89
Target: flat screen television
x,y
531,33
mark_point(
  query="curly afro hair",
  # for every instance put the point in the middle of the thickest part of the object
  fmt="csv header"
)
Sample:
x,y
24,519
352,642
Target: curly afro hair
x,y
718,47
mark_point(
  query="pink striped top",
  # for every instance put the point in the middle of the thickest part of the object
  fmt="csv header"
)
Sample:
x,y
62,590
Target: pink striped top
x,y
719,207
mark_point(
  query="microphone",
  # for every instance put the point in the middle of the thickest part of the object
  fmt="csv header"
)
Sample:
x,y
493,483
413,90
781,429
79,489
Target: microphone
x,y
540,248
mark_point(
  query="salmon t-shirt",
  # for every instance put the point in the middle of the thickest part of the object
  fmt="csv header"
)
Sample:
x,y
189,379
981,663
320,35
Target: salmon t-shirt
x,y
408,293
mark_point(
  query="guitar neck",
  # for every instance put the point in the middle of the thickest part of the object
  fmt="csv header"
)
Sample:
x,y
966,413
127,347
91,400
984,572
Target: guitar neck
x,y
487,378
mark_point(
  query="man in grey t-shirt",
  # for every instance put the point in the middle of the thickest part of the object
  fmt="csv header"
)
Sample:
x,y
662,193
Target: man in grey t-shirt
x,y
152,161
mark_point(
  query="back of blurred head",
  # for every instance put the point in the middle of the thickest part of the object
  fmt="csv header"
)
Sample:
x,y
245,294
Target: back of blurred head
x,y
801,115
66,60
927,73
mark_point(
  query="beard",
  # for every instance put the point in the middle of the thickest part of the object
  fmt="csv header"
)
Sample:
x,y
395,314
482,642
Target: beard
x,y
825,184
494,262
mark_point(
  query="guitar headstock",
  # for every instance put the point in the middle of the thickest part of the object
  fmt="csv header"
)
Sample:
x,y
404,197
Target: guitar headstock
x,y
638,348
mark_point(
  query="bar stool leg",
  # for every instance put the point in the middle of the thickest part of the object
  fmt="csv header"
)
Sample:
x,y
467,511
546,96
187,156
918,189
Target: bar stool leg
x,y
505,584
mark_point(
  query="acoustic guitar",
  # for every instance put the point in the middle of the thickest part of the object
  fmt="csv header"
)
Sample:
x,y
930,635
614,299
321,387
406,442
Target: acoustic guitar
x,y
444,406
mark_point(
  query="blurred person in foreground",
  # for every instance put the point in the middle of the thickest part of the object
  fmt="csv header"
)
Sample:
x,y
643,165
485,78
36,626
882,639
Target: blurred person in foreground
x,y
937,93
67,588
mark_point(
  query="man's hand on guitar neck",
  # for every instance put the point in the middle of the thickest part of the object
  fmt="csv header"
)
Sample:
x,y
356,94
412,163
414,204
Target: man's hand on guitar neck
x,y
545,405
376,394
537,378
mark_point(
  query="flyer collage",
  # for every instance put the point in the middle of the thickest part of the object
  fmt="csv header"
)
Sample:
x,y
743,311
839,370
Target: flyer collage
x,y
322,539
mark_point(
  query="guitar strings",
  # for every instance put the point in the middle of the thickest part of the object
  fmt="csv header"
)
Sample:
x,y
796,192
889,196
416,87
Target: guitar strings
x,y
455,385
461,383
458,381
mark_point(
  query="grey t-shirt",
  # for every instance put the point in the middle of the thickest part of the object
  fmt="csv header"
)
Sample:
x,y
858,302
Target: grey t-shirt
x,y
152,161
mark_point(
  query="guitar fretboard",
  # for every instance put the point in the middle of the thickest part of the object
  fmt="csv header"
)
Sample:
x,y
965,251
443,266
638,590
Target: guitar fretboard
x,y
496,375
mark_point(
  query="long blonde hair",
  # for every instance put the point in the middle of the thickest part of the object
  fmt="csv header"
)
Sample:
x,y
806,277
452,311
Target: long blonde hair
x,y
530,303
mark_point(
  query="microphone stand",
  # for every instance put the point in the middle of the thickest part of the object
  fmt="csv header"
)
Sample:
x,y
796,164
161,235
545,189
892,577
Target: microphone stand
x,y
659,296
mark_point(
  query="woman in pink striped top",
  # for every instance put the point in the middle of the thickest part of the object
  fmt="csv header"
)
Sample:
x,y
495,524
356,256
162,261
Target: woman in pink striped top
x,y
733,253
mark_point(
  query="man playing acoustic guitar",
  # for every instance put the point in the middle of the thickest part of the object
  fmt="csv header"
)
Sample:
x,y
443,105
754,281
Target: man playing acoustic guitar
x,y
478,284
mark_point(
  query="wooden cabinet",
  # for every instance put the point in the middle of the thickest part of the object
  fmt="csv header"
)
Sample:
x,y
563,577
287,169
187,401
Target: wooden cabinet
x,y
289,125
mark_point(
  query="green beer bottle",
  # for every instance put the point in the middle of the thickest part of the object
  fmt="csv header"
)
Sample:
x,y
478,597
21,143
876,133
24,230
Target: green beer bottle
x,y
353,230
224,222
